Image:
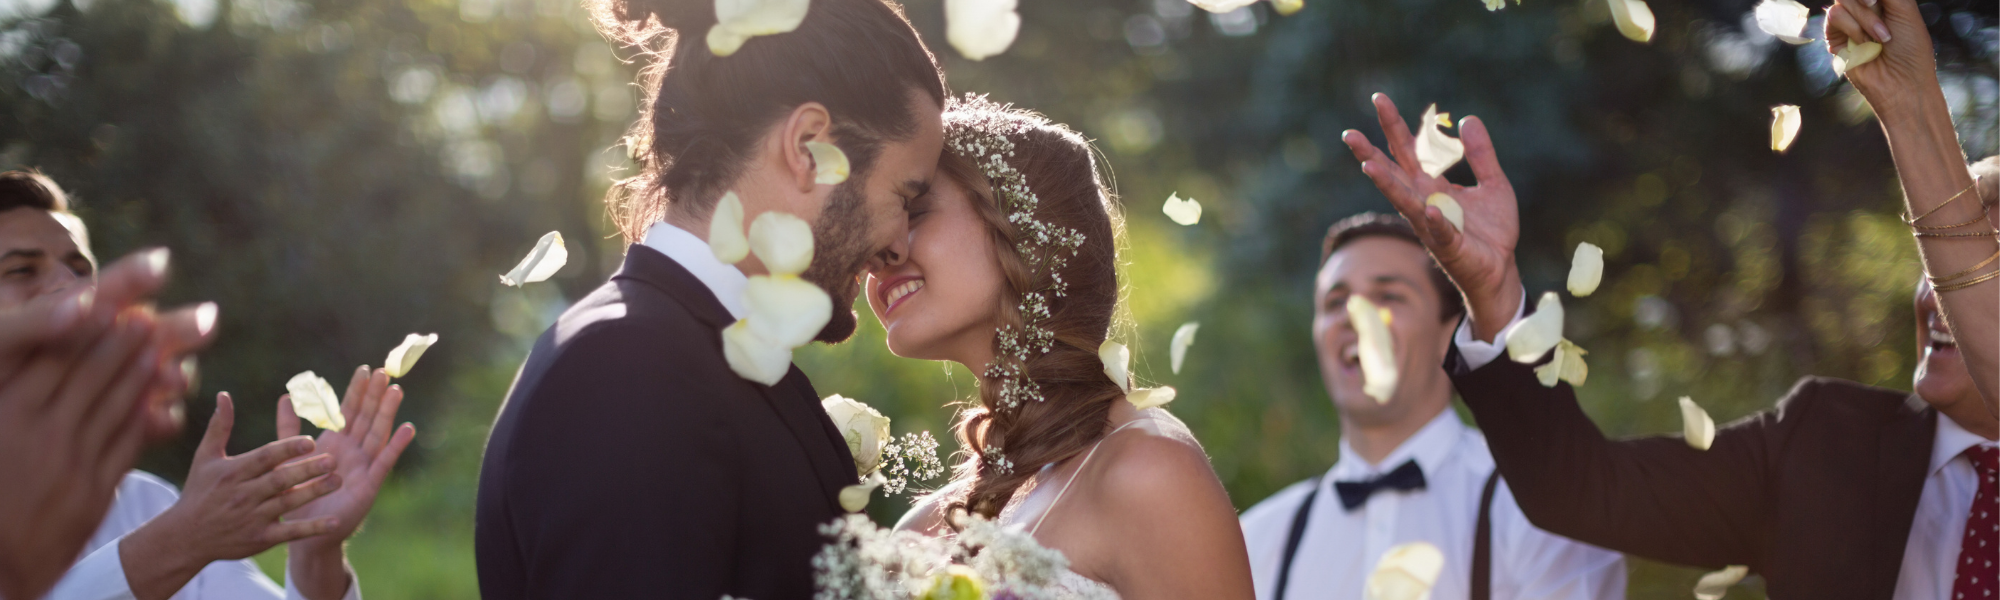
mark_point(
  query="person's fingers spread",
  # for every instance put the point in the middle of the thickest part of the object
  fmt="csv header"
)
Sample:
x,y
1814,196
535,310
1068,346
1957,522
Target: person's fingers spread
x,y
1479,152
1440,233
384,420
188,329
1394,186
1395,132
259,462
110,382
1364,151
288,421
24,329
215,442
357,388
386,460
371,404
132,278
291,474
292,531
298,495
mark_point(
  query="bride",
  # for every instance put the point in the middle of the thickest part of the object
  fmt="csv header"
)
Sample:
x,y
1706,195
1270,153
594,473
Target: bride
x,y
1010,270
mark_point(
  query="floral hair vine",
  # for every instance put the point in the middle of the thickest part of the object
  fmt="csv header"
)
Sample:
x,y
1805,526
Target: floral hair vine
x,y
978,130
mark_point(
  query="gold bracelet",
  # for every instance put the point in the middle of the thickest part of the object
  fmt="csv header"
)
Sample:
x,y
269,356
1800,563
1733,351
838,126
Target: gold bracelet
x,y
1983,210
1909,220
1946,280
1926,234
1969,282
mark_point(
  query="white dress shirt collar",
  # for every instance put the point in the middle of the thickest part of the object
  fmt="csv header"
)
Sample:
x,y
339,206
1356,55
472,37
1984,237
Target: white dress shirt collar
x,y
1951,441
723,280
1430,446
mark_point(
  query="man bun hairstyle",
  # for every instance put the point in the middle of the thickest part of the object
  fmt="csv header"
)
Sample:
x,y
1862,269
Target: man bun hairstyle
x,y
1374,224
701,115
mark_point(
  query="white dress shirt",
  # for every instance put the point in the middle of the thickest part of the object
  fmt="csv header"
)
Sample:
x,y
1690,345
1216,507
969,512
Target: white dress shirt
x,y
101,574
723,279
1340,548
1930,555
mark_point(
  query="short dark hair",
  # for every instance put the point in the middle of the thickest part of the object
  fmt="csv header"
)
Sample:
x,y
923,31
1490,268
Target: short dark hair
x,y
1374,224
31,189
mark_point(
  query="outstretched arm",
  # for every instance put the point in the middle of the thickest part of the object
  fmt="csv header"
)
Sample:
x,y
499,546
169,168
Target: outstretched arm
x,y
1902,86
365,451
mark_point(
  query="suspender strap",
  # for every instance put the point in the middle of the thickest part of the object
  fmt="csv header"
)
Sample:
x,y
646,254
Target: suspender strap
x,y
1482,542
1292,540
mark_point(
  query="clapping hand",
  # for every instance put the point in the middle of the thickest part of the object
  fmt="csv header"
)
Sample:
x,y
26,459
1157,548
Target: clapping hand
x,y
365,451
1480,259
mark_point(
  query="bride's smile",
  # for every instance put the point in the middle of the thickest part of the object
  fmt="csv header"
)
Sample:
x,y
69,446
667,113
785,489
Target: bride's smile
x,y
939,300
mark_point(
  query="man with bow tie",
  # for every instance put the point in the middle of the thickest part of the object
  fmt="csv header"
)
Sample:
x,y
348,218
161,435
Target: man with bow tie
x,y
1410,470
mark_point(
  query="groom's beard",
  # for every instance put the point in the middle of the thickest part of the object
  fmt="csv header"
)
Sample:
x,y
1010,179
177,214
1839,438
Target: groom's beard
x,y
840,250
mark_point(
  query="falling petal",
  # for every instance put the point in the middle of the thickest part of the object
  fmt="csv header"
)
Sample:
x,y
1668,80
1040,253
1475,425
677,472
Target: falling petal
x,y
1695,425
1406,572
1493,5
1715,583
548,256
1574,369
752,357
1288,8
783,242
1376,346
1183,338
1785,121
1221,6
1185,211
1115,358
829,163
1854,54
405,356
739,20
864,429
725,230
1784,19
1151,397
1529,339
855,497
1586,269
313,399
981,28
1449,206
786,310
1435,150
1634,19
1548,374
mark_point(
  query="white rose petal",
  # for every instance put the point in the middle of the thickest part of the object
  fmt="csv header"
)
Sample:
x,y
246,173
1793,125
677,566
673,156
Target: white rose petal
x,y
864,429
725,230
1151,397
1185,211
1435,150
855,497
405,356
1634,19
981,28
783,242
1529,339
1286,8
1406,572
739,20
1854,54
1183,338
314,400
1116,358
1449,206
1784,19
829,163
1715,583
786,310
1567,365
1695,425
1785,121
1221,6
752,357
548,256
1376,347
1586,269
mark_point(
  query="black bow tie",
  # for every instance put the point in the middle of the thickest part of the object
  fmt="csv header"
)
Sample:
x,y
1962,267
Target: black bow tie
x,y
1353,494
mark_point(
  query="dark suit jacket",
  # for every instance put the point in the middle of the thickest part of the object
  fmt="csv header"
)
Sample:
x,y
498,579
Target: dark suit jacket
x,y
1816,495
630,462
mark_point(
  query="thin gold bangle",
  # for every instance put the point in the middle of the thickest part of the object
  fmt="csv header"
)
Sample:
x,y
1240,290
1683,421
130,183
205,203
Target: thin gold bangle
x,y
1983,210
1969,282
1946,280
1926,234
1909,220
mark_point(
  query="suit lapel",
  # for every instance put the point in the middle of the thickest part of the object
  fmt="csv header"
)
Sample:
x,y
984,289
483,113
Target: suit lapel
x,y
793,399
1905,455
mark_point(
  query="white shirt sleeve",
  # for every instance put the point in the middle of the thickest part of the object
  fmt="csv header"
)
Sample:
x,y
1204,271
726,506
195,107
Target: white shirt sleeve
x,y
353,586
1477,353
1531,563
99,576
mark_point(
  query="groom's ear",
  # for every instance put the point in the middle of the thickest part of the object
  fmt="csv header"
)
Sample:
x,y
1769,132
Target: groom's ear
x,y
809,122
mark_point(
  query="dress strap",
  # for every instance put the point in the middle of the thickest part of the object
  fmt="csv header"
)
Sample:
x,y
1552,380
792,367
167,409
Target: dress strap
x,y
1079,471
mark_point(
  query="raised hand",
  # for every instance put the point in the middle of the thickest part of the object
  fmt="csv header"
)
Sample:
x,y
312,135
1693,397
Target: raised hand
x,y
366,450
1480,260
1898,78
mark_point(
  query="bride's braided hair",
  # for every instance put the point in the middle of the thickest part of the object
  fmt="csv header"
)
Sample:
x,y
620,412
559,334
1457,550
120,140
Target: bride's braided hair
x,y
1053,222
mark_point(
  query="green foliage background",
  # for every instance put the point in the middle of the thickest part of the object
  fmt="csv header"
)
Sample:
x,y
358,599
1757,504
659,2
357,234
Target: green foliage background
x,y
337,173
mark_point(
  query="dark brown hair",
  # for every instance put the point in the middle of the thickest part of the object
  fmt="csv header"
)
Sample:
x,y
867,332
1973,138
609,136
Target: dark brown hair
x,y
31,189
1062,169
701,114
1374,224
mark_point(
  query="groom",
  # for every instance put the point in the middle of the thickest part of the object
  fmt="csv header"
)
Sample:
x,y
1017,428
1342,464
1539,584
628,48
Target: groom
x,y
629,460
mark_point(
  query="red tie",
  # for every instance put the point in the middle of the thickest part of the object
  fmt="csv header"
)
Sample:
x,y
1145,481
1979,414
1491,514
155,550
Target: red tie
x,y
1981,548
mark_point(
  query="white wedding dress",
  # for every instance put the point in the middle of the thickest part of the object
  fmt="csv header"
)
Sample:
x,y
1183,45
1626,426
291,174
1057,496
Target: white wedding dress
x,y
1070,585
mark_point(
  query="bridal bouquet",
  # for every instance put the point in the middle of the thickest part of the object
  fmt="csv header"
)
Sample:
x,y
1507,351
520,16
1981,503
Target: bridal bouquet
x,y
985,560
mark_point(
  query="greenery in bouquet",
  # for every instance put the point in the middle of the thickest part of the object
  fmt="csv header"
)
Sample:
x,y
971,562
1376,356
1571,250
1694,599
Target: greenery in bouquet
x,y
983,560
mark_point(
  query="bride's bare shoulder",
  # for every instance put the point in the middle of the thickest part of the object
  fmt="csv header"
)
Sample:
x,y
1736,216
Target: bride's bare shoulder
x,y
1155,456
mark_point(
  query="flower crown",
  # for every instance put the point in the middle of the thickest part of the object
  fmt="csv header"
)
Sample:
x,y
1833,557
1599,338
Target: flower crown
x,y
978,130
